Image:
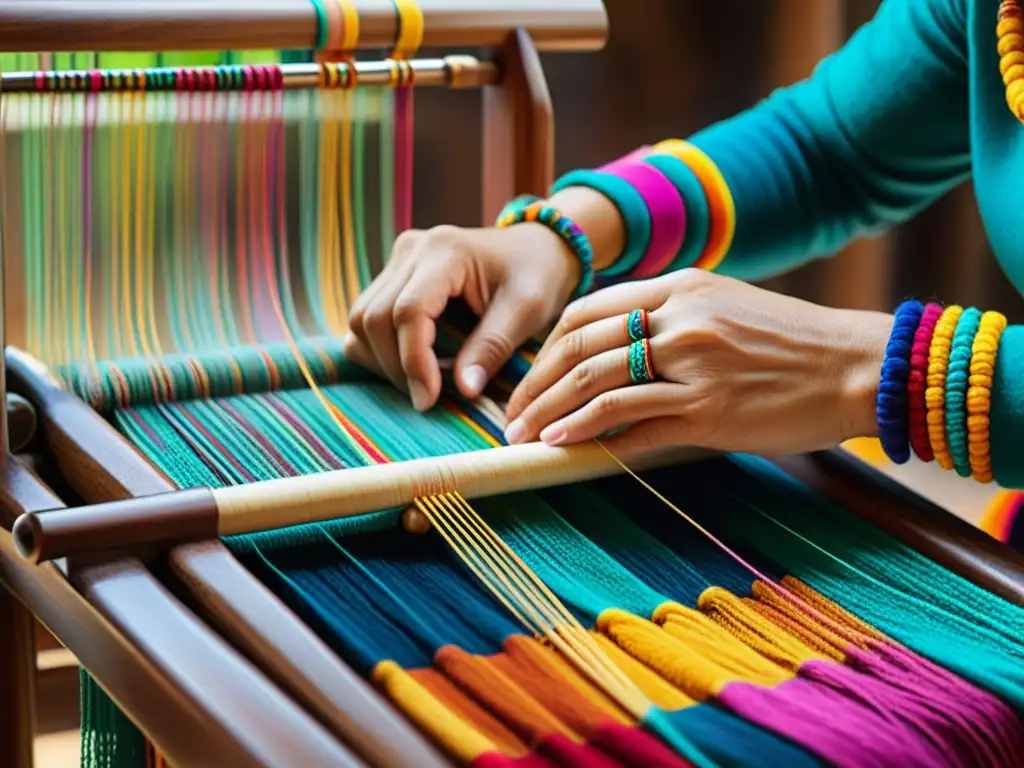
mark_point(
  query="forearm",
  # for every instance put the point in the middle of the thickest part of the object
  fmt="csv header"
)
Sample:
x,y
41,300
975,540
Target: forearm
x,y
840,155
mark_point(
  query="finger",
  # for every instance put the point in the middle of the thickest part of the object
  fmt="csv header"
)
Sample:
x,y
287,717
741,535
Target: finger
x,y
379,327
644,436
617,300
614,409
593,377
356,351
403,246
506,324
420,303
571,350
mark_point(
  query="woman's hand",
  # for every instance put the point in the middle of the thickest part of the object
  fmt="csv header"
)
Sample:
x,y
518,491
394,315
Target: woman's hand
x,y
517,280
737,368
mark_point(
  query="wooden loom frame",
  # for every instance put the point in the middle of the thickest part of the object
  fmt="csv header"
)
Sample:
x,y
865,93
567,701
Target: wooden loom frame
x,y
281,697
124,623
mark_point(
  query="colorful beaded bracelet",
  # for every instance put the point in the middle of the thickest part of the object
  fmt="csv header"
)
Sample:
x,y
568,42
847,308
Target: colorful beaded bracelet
x,y
917,409
979,394
631,207
956,389
891,406
935,394
532,209
665,208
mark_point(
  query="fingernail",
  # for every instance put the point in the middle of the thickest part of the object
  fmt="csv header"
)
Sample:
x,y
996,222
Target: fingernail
x,y
474,379
553,435
515,432
419,394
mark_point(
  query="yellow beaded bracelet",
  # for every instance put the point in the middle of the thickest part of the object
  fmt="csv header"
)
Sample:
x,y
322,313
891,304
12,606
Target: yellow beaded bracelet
x,y
935,394
979,393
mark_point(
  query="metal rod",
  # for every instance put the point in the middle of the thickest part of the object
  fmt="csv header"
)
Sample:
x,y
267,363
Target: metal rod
x,y
451,71
160,25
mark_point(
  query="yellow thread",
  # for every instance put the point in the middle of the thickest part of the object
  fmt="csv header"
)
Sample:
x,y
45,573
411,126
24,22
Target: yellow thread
x,y
1010,47
935,393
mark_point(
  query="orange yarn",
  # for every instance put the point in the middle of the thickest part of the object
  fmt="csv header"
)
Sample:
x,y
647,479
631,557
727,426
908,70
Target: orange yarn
x,y
1010,36
979,394
935,394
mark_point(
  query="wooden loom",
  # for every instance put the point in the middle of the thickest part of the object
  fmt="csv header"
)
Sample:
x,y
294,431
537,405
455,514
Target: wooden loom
x,y
153,630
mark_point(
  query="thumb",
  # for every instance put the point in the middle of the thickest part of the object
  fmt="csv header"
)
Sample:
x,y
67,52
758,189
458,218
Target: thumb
x,y
507,323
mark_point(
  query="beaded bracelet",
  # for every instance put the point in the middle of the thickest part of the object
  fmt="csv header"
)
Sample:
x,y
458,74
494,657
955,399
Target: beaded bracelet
x,y
979,394
935,394
917,383
891,405
723,208
665,208
532,209
631,207
956,389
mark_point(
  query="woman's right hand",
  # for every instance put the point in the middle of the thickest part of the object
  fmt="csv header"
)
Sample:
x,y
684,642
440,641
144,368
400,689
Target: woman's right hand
x,y
517,280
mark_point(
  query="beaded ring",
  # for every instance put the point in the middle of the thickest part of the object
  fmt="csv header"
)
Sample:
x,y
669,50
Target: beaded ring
x,y
636,324
935,394
917,383
891,406
956,389
640,361
531,209
979,394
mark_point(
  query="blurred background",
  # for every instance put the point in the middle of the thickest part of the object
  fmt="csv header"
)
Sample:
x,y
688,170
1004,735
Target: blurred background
x,y
672,67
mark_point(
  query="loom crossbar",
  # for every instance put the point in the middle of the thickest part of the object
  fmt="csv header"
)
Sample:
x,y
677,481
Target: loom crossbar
x,y
202,513
156,25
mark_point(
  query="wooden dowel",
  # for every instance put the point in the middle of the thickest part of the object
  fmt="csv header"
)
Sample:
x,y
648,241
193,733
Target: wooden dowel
x,y
160,25
450,71
199,514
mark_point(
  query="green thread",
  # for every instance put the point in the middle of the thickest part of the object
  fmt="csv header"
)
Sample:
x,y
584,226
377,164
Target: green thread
x,y
957,381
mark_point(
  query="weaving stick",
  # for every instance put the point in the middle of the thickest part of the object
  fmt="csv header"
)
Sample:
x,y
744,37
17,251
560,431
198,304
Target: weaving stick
x,y
202,513
195,25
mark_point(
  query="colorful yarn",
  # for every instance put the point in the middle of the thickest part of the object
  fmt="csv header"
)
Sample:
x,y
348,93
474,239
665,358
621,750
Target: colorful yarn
x,y
410,29
641,366
630,205
935,394
666,211
917,383
957,383
891,405
720,202
530,209
1010,46
636,324
984,349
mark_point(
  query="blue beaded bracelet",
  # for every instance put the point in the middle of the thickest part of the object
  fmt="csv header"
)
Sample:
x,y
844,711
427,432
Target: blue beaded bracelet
x,y
891,403
533,209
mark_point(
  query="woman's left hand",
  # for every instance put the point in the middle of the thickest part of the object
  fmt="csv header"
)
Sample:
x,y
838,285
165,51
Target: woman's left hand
x,y
736,368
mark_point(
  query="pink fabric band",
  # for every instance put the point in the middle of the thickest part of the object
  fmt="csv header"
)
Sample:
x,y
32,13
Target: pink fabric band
x,y
668,214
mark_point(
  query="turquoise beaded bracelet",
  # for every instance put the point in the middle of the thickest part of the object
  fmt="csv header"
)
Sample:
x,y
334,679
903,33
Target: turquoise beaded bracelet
x,y
631,207
533,209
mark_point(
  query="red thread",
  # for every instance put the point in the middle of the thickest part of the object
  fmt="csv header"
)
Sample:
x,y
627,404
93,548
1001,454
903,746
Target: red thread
x,y
917,412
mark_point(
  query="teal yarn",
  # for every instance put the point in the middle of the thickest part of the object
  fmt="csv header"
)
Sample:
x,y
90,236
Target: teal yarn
x,y
322,22
695,202
957,382
631,207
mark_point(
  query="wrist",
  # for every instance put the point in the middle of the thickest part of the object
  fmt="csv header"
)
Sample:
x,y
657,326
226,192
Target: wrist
x,y
865,336
599,219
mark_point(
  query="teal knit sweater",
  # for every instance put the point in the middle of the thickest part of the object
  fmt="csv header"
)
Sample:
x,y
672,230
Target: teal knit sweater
x,y
908,109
